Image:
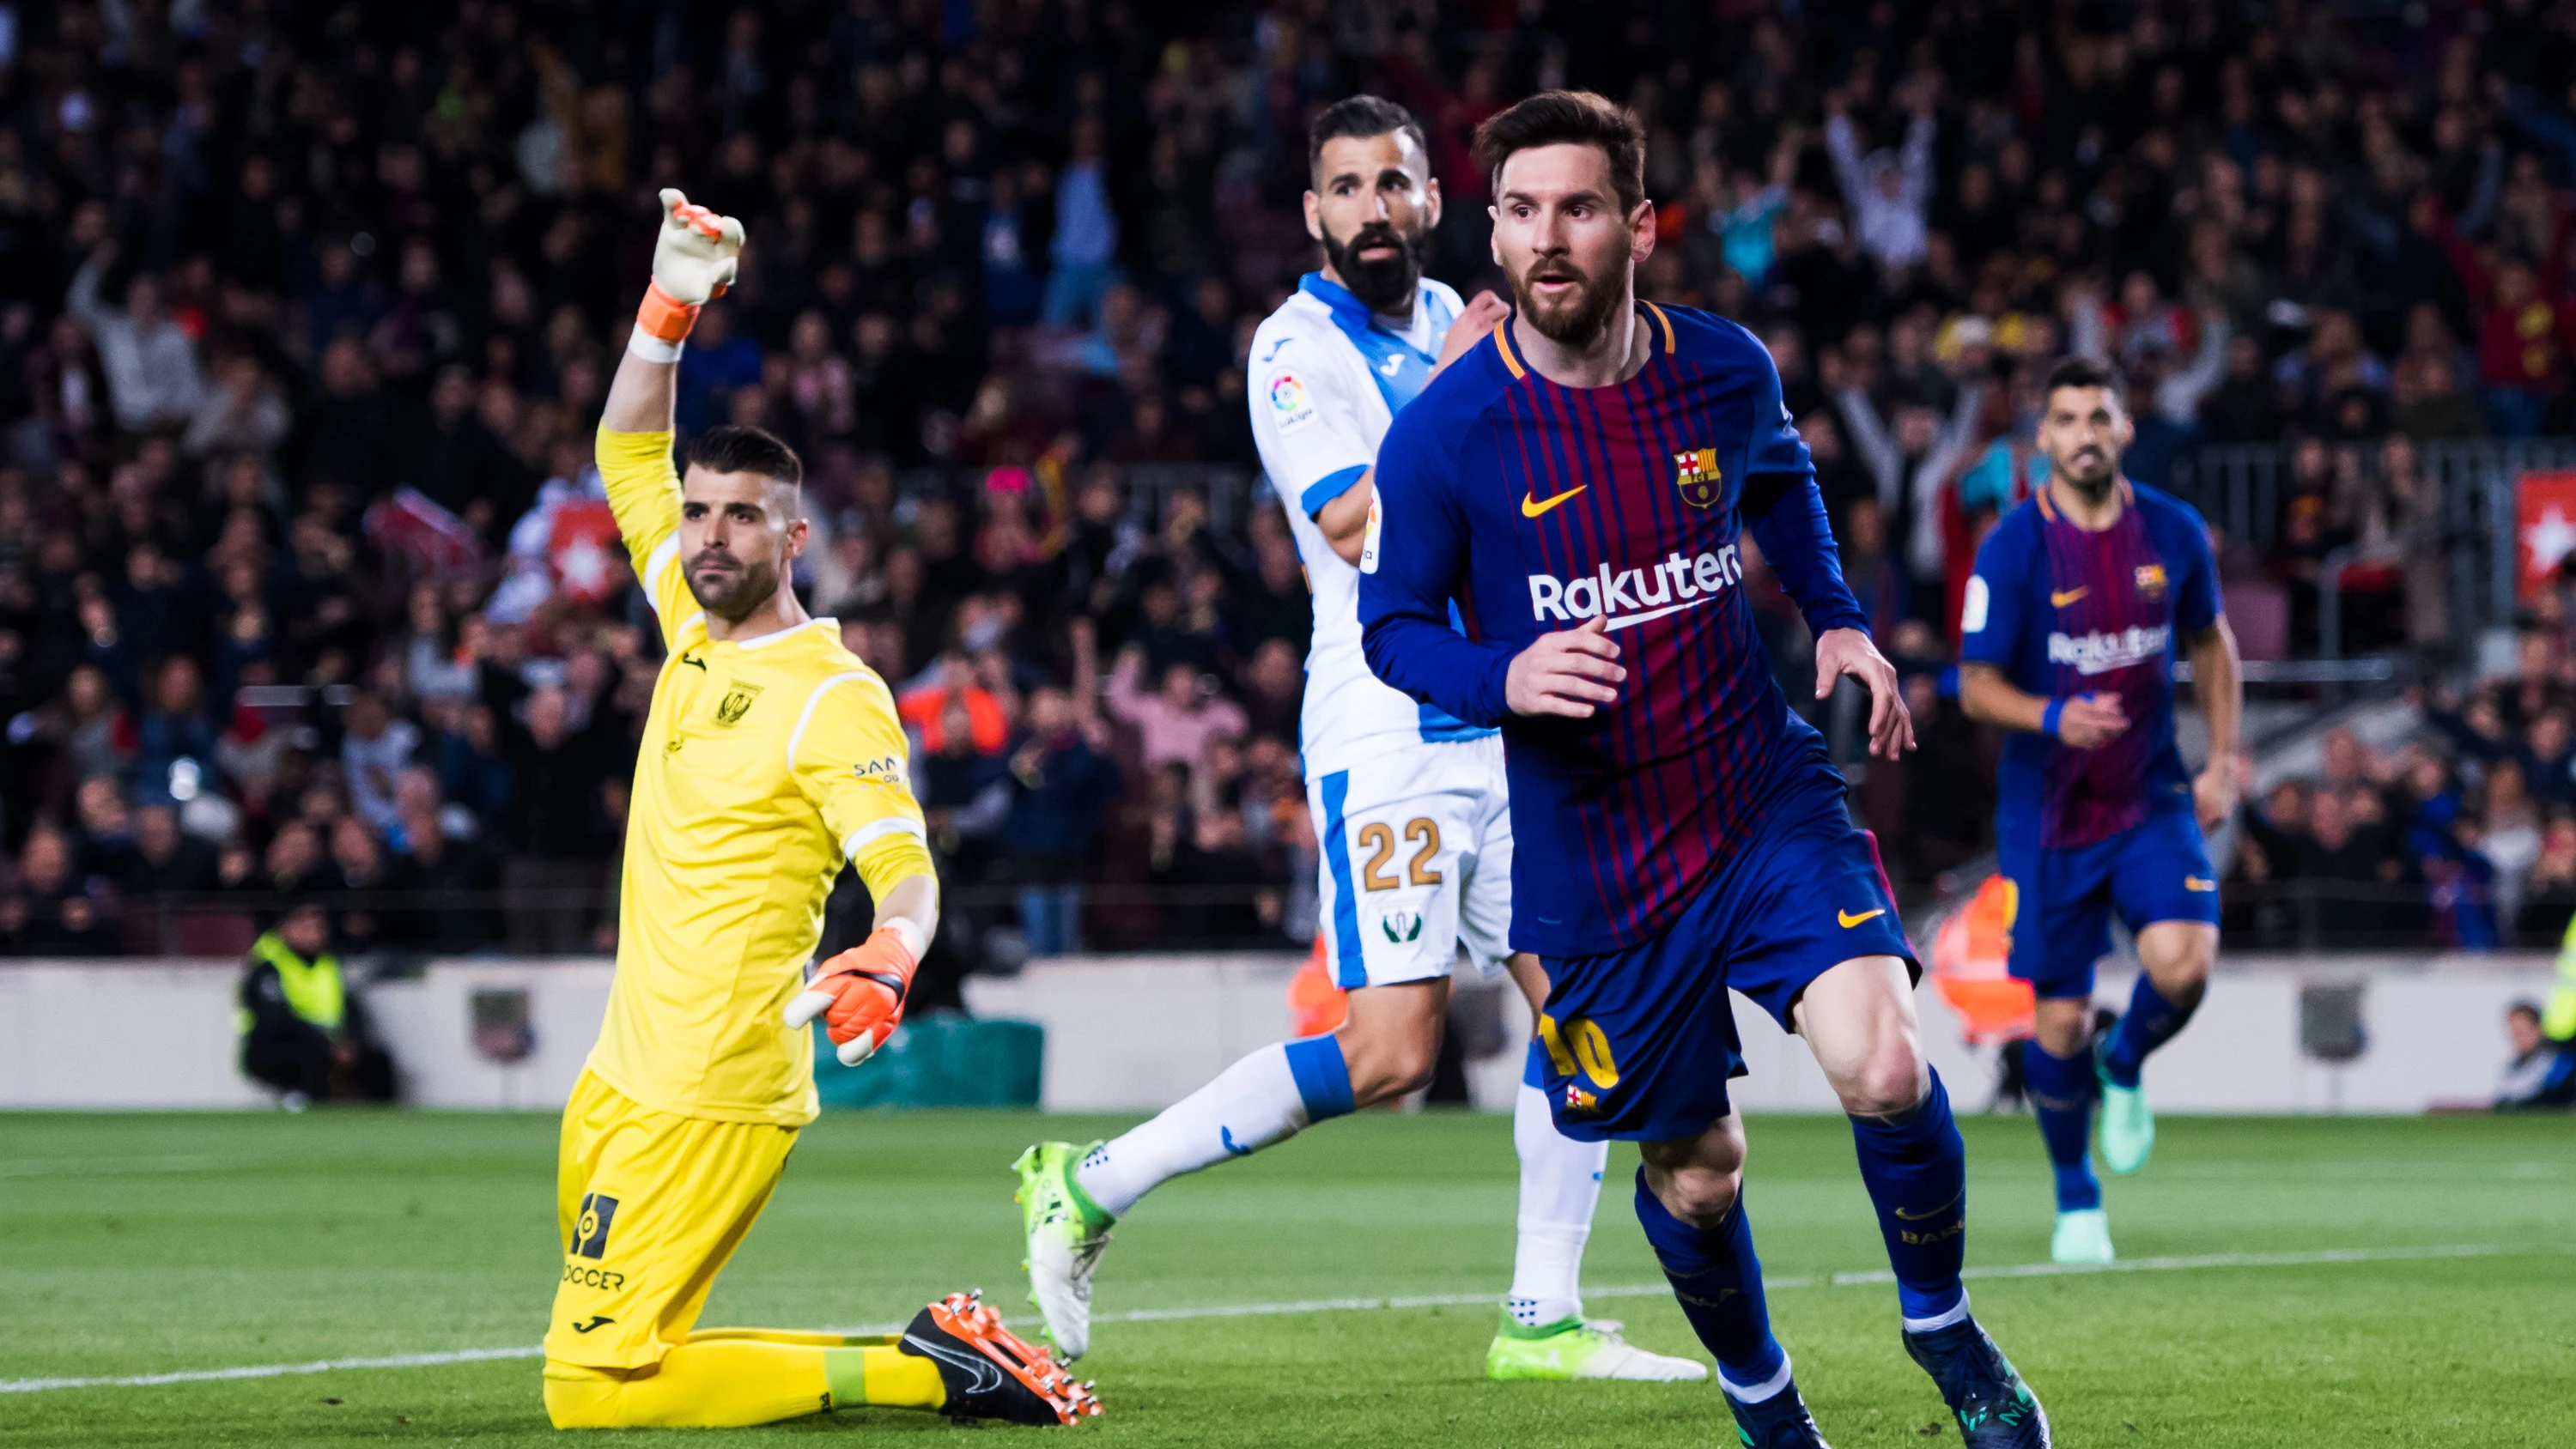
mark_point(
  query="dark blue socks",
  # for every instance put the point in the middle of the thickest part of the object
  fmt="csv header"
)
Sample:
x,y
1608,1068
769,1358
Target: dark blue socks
x,y
2062,1092
1917,1172
2150,1023
1719,1283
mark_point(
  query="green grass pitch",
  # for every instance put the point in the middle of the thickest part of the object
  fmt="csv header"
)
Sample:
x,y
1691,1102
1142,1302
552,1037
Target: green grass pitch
x,y
137,1245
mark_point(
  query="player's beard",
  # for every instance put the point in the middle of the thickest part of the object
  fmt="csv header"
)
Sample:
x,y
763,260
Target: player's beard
x,y
1386,284
734,594
2088,471
1577,319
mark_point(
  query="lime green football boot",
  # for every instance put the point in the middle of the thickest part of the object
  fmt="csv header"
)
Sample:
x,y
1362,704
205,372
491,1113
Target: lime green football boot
x,y
1572,1348
1066,1232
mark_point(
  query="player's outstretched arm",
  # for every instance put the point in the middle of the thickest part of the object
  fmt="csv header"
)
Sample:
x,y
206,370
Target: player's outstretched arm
x,y
694,260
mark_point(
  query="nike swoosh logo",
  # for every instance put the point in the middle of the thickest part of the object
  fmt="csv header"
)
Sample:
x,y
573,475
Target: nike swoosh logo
x,y
2061,600
596,1320
693,659
1934,1213
1532,507
2197,883
986,1379
1849,920
1225,1135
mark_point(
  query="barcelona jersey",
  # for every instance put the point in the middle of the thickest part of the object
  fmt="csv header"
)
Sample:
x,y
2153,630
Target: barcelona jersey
x,y
1535,507
2063,611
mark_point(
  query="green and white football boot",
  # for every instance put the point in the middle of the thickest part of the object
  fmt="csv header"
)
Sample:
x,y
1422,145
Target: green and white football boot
x,y
1066,1231
1572,1348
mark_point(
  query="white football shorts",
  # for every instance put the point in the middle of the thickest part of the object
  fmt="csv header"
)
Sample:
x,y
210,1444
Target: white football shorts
x,y
1416,849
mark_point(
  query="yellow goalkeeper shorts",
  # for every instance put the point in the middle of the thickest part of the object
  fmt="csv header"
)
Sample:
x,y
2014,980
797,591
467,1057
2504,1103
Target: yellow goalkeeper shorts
x,y
650,1205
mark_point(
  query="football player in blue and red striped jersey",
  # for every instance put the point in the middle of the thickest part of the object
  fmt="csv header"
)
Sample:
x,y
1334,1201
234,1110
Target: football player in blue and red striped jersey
x,y
2080,599
1580,484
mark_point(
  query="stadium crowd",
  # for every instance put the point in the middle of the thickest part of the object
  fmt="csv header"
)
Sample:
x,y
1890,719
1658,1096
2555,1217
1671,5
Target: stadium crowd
x,y
306,311
2473,822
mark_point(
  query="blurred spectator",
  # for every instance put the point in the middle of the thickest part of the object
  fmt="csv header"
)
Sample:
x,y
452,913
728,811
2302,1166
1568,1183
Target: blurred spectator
x,y
1179,718
151,366
375,750
2541,1074
1000,285
964,794
552,828
1062,786
165,860
52,910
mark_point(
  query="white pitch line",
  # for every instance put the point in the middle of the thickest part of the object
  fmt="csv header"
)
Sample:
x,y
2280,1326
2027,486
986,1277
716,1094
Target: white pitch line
x,y
1331,1305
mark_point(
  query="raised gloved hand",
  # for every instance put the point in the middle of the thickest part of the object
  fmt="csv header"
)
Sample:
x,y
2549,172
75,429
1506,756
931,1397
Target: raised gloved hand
x,y
859,995
694,260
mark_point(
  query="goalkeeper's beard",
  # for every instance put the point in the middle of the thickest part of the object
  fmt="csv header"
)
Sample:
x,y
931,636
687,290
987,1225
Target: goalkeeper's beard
x,y
733,594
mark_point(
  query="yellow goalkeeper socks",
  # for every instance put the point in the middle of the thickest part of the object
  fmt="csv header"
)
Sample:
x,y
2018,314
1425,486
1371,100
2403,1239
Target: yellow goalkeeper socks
x,y
863,1368
727,1378
874,1374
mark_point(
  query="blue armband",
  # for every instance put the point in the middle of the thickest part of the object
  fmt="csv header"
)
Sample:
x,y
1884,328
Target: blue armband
x,y
2048,717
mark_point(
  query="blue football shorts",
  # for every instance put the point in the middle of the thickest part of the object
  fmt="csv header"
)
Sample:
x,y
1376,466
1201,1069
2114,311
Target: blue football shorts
x,y
1640,1043
2059,912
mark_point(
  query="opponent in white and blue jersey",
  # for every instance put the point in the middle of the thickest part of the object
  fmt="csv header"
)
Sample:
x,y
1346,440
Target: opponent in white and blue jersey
x,y
1411,812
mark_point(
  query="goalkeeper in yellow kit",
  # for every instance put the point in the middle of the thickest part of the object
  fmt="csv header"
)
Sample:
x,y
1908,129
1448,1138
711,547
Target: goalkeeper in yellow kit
x,y
771,755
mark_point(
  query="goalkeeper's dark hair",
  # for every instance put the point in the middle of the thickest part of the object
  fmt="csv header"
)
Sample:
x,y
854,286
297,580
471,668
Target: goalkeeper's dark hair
x,y
1568,118
728,448
1360,116
2086,372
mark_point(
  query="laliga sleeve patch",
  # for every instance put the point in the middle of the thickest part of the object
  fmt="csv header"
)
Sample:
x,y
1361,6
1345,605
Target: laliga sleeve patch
x,y
1972,607
1291,407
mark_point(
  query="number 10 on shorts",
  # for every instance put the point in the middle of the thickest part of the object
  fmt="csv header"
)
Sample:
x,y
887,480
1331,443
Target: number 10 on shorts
x,y
1579,1045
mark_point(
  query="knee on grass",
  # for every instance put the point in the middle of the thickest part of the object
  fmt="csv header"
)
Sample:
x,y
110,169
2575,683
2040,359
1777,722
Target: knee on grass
x,y
583,1398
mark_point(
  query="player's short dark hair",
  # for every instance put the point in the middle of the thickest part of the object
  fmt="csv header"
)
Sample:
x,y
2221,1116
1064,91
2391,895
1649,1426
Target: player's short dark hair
x,y
729,448
1568,118
2525,1007
2086,372
1362,116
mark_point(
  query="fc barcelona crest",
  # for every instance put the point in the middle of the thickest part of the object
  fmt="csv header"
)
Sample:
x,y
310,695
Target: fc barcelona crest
x,y
2151,580
736,702
1697,475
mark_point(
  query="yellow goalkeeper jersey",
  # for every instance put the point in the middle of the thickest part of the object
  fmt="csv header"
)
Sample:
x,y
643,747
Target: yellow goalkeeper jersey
x,y
765,764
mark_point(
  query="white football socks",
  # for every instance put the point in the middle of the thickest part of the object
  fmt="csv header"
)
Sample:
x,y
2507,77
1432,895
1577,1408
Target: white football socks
x,y
1560,1187
1245,1108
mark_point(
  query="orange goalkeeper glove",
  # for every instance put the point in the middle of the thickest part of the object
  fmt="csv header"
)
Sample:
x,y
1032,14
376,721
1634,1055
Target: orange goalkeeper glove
x,y
859,995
